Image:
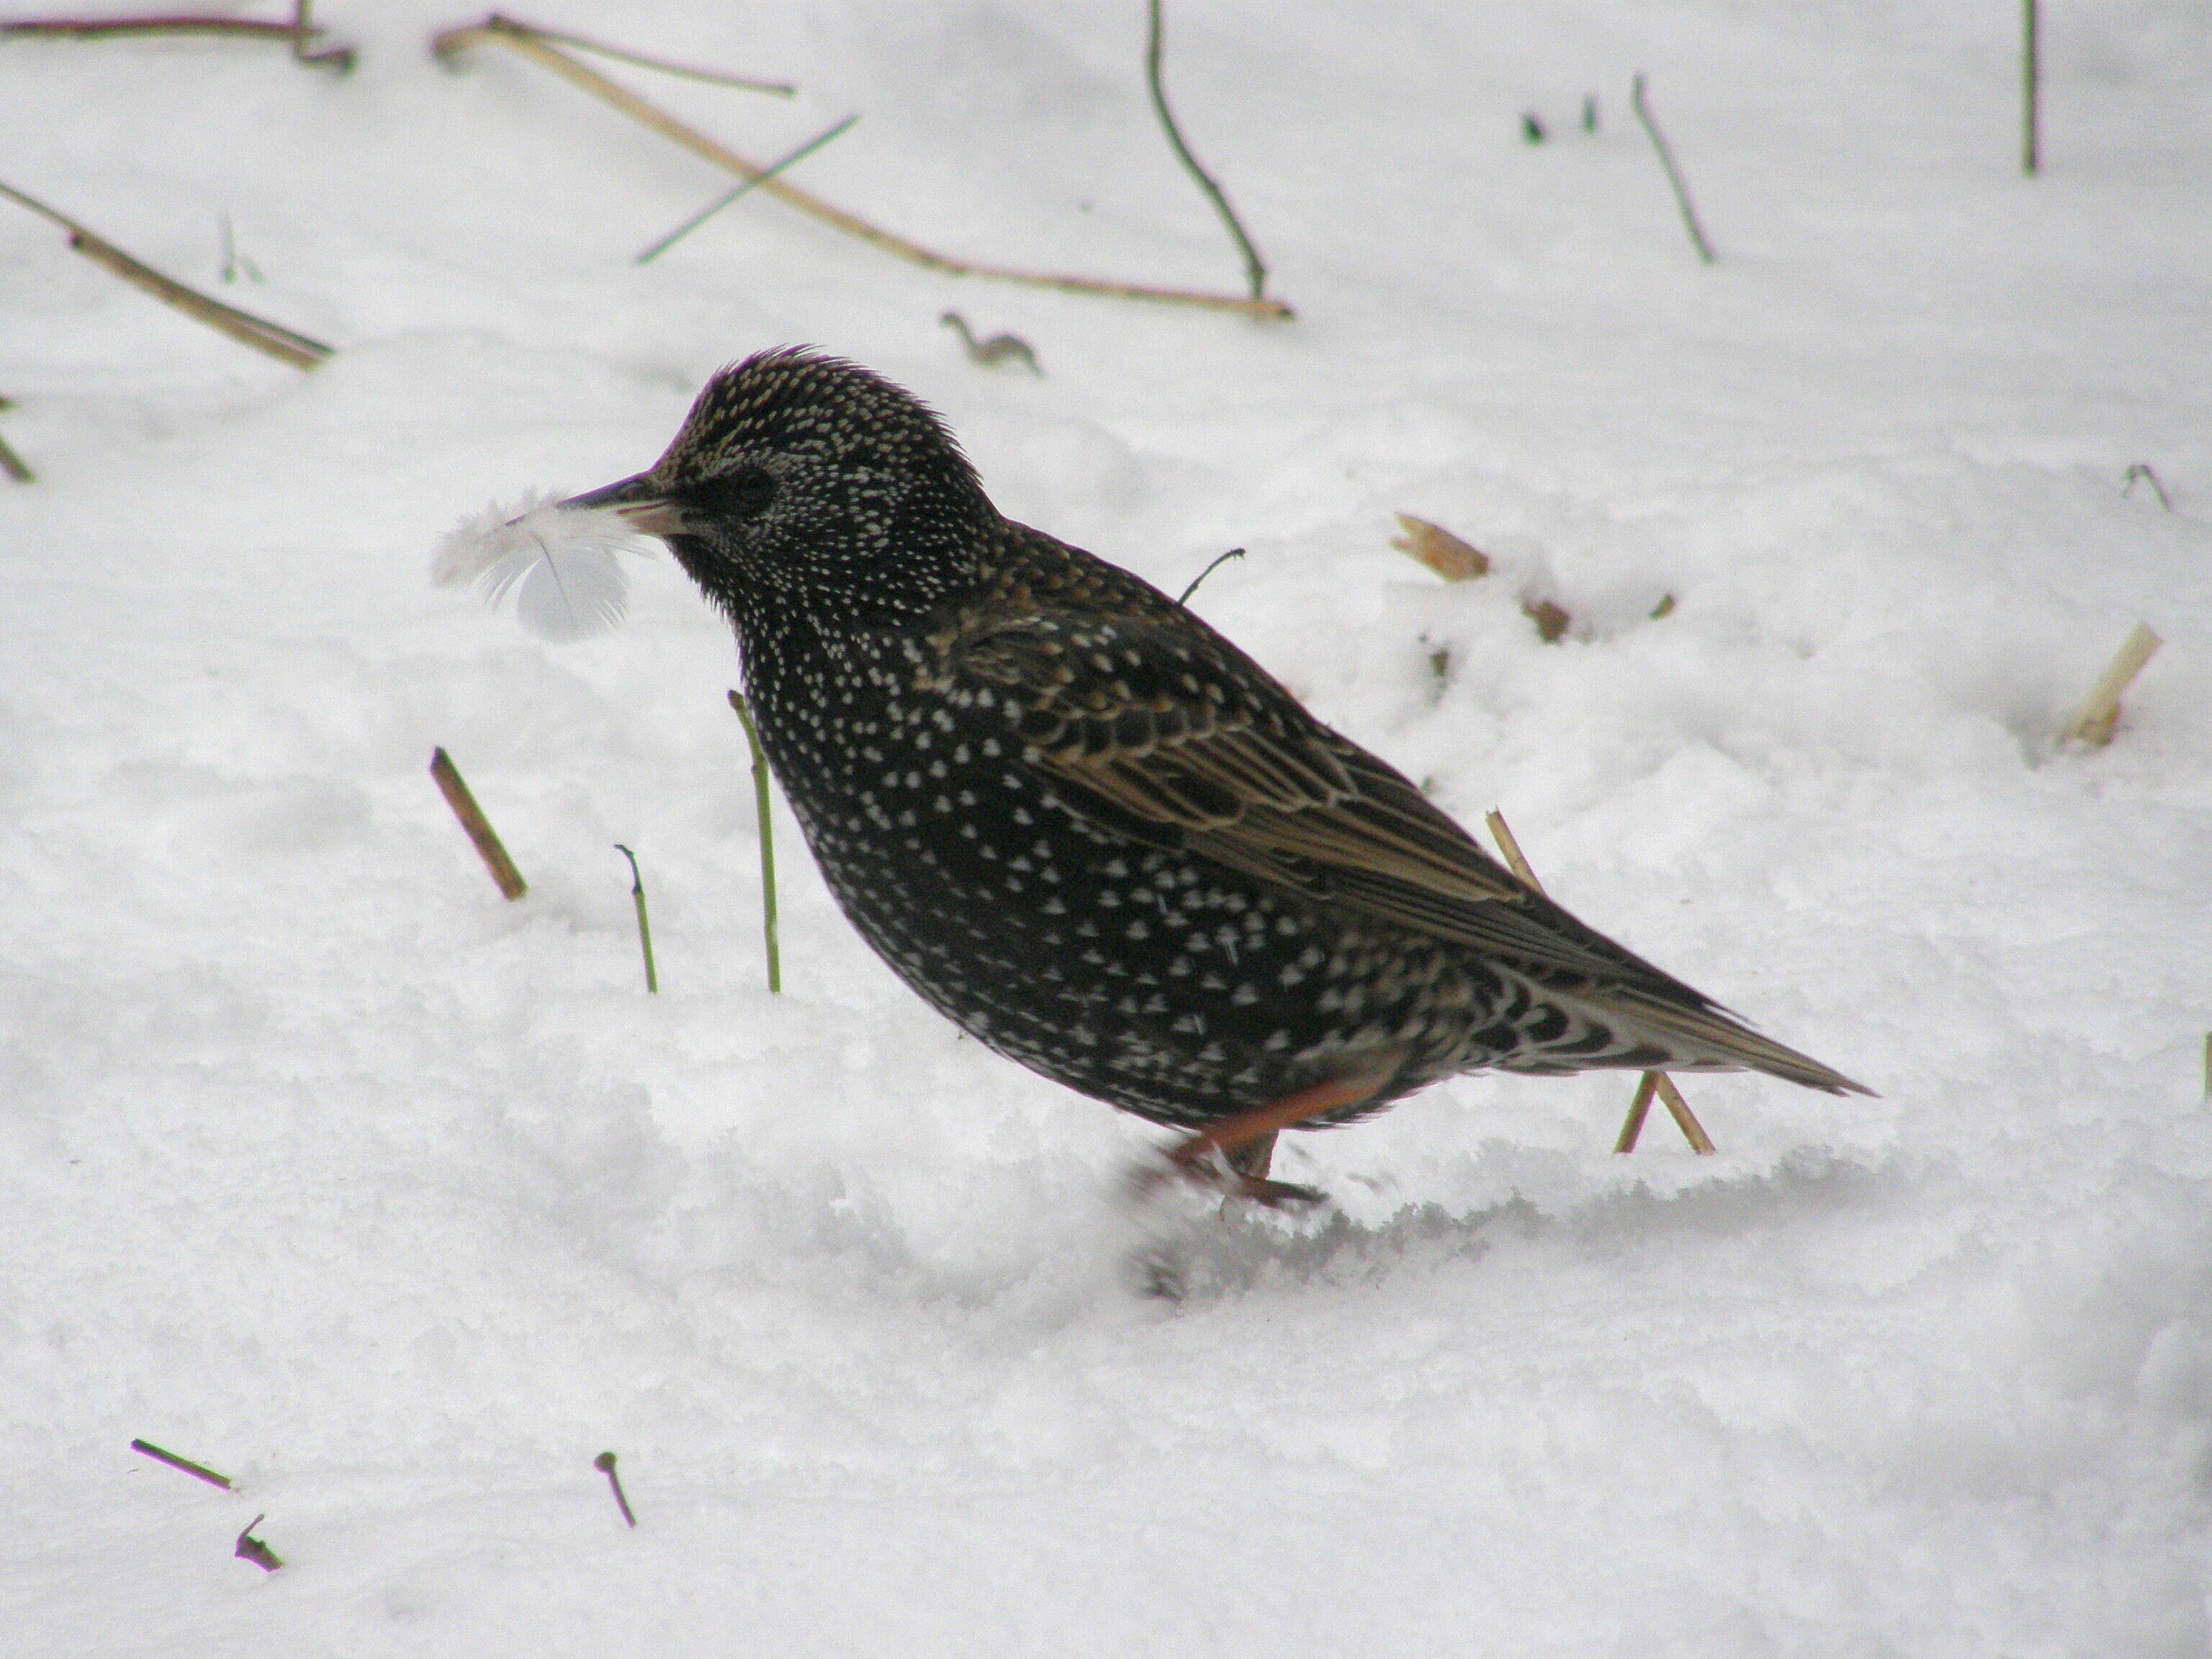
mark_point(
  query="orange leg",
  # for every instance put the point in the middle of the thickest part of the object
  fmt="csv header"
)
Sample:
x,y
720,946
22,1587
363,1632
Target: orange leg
x,y
1246,1142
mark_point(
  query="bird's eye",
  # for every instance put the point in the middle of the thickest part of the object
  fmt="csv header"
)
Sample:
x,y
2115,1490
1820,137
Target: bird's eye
x,y
744,494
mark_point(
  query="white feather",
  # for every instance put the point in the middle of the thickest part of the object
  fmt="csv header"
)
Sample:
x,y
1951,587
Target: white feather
x,y
558,561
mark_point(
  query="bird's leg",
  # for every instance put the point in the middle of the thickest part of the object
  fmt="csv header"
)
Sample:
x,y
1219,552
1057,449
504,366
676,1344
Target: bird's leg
x,y
1246,1142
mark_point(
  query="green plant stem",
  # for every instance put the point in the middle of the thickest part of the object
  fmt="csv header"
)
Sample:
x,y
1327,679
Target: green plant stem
x,y
767,840
736,191
2031,90
1674,173
644,927
1219,560
1256,274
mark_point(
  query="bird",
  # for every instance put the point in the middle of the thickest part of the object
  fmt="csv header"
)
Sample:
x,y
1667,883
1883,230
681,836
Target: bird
x,y
1091,830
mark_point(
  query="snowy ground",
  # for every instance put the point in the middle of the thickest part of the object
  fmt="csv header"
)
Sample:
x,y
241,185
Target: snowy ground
x,y
321,1165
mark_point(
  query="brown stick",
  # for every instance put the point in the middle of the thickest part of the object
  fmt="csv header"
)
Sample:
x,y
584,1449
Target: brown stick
x,y
531,44
1651,1083
271,339
198,1471
473,820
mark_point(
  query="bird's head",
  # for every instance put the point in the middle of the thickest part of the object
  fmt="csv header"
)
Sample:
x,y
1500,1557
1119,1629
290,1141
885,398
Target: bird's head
x,y
803,483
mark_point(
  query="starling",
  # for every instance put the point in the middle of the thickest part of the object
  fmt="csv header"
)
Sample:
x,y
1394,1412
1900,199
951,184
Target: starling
x,y
1092,832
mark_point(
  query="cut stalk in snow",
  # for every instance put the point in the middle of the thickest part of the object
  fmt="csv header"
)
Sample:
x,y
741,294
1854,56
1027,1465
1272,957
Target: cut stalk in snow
x,y
2099,716
767,840
1652,1082
644,927
486,839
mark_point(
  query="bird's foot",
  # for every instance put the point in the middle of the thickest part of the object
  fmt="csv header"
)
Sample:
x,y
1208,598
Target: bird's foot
x,y
1232,1177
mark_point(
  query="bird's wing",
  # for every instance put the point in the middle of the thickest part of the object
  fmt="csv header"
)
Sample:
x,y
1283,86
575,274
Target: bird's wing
x,y
1165,722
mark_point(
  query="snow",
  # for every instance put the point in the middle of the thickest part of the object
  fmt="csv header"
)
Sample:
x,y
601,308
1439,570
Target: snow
x,y
396,1203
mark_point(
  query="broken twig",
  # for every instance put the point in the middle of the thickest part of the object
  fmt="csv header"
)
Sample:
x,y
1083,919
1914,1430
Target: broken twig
x,y
1255,273
503,872
532,45
243,326
1651,1081
1674,173
198,1471
605,1462
767,840
2099,716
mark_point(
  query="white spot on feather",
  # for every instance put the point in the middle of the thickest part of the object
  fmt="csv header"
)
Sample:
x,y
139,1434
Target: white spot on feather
x,y
558,561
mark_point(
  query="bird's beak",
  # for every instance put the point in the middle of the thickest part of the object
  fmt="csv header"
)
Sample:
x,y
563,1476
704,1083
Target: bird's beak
x,y
646,509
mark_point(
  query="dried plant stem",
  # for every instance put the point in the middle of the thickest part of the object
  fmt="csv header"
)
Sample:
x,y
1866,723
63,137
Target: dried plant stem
x,y
531,44
767,840
487,841
1651,1083
2100,714
1255,273
605,1462
1219,560
683,71
731,194
242,327
296,34
198,1471
90,28
1674,173
2031,90
644,927
250,1548
2144,470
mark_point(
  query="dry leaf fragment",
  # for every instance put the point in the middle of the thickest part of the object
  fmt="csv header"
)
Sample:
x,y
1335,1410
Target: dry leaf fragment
x,y
1550,621
1438,549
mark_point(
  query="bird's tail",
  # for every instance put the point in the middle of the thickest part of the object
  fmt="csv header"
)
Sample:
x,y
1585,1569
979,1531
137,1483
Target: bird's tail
x,y
1691,1039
